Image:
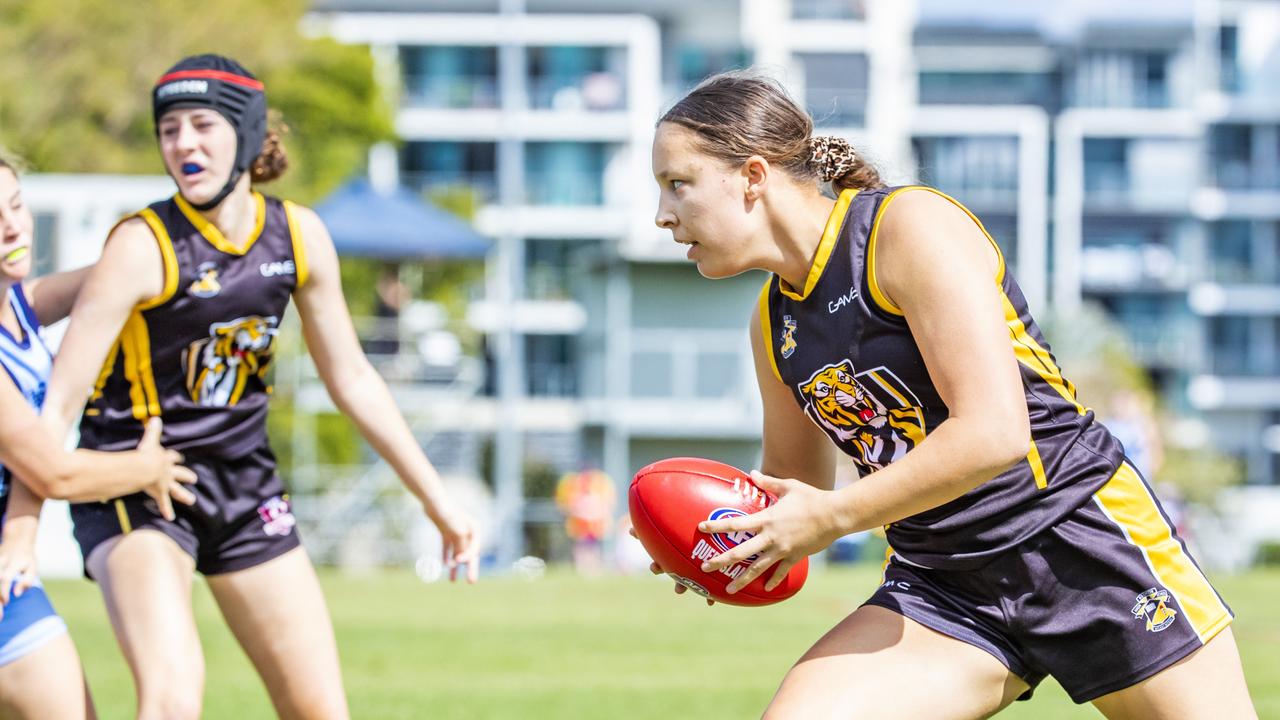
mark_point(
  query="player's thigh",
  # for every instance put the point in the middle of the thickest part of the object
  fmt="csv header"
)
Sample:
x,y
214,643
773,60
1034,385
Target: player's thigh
x,y
45,683
146,581
1208,683
879,664
277,612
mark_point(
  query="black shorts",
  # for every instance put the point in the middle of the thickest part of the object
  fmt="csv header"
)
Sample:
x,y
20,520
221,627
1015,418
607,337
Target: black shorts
x,y
241,517
1104,599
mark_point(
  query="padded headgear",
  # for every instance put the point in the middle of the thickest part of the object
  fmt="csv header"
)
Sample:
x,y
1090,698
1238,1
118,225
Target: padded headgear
x,y
223,85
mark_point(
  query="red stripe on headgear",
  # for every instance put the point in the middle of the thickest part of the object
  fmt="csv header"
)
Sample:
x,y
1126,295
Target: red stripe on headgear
x,y
212,75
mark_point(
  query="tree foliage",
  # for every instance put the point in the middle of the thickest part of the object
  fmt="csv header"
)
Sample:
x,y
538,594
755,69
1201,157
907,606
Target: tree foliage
x,y
77,81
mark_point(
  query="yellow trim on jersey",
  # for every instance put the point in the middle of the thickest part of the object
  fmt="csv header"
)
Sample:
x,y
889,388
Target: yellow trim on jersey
x,y
876,293
1037,466
1031,354
122,515
214,235
135,341
1127,502
299,247
167,255
831,233
107,367
766,329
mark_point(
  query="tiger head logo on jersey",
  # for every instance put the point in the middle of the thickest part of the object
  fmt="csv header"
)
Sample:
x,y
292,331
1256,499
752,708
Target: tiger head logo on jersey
x,y
788,337
206,285
219,366
866,413
1154,606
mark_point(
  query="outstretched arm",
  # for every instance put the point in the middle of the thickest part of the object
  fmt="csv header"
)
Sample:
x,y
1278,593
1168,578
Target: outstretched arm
x,y
53,295
362,395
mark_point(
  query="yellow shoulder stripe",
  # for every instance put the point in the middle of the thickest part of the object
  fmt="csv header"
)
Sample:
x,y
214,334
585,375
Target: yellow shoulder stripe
x,y
877,294
167,254
831,233
765,328
299,247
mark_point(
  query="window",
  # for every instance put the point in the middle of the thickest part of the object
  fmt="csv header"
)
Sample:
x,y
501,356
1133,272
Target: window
x,y
835,88
449,167
450,77
577,78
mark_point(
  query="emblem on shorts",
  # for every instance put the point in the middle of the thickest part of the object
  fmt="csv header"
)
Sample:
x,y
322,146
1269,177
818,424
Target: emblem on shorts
x,y
788,347
1154,606
276,517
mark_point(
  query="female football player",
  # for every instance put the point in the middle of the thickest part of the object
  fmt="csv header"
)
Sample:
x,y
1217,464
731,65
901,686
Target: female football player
x,y
1023,543
178,320
40,675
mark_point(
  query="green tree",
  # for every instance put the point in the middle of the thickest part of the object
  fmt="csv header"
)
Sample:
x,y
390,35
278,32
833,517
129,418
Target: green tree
x,y
77,78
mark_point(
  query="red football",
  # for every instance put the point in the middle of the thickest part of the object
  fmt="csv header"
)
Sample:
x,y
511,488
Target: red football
x,y
670,497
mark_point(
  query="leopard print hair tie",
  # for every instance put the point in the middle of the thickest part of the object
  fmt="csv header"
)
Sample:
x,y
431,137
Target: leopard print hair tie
x,y
831,156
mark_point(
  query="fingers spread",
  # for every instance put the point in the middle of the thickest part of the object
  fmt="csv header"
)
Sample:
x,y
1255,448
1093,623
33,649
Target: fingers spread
x,y
737,555
752,572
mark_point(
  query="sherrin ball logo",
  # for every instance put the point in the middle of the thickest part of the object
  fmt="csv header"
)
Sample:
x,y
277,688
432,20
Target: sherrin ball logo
x,y
728,541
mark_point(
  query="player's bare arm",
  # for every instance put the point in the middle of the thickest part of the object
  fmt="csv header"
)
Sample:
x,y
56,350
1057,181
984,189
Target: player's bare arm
x,y
53,295
361,394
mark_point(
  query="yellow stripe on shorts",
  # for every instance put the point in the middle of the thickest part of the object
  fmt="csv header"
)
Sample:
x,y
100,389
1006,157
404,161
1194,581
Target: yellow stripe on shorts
x,y
122,514
1127,502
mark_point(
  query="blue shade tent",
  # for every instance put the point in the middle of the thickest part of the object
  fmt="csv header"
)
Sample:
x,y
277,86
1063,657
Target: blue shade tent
x,y
396,225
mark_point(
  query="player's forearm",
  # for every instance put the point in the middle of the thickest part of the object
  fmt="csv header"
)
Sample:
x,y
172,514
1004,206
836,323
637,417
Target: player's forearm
x,y
82,475
22,516
956,457
52,296
366,399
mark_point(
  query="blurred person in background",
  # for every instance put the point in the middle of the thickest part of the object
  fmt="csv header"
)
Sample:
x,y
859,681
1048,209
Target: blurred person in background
x,y
586,498
40,673
1023,543
178,320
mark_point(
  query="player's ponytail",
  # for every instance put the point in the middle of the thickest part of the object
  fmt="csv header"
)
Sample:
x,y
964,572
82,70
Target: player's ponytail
x,y
836,162
272,161
736,115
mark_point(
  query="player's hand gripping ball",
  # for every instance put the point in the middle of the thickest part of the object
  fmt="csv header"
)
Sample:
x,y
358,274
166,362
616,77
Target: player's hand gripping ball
x,y
670,497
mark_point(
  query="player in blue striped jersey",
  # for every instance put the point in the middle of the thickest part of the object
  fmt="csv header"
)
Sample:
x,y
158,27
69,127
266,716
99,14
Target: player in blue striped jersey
x,y
40,675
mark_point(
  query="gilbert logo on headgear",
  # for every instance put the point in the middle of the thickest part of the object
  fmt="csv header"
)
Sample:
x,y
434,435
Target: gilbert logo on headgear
x,y
184,87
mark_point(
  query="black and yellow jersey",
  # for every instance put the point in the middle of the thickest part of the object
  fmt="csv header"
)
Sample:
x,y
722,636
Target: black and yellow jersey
x,y
849,358
198,354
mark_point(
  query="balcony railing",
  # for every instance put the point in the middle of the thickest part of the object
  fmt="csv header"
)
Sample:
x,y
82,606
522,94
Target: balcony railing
x,y
828,9
592,92
483,185
564,188
450,92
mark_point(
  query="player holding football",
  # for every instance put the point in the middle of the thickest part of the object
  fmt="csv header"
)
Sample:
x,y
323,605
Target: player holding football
x,y
178,320
1023,543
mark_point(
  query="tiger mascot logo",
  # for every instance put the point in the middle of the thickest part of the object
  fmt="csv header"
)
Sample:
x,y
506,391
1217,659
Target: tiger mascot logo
x,y
219,366
872,432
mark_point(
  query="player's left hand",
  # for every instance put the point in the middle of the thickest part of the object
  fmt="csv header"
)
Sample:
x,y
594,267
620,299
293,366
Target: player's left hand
x,y
17,563
800,523
461,546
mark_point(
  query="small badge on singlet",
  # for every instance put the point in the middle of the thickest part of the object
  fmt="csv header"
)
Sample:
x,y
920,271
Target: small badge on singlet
x,y
206,284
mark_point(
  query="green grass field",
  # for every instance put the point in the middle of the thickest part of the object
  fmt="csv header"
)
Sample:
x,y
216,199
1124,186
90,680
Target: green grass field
x,y
568,647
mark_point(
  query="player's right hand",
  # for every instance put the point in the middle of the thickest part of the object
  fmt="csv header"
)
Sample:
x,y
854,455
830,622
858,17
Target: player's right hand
x,y
656,570
168,476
